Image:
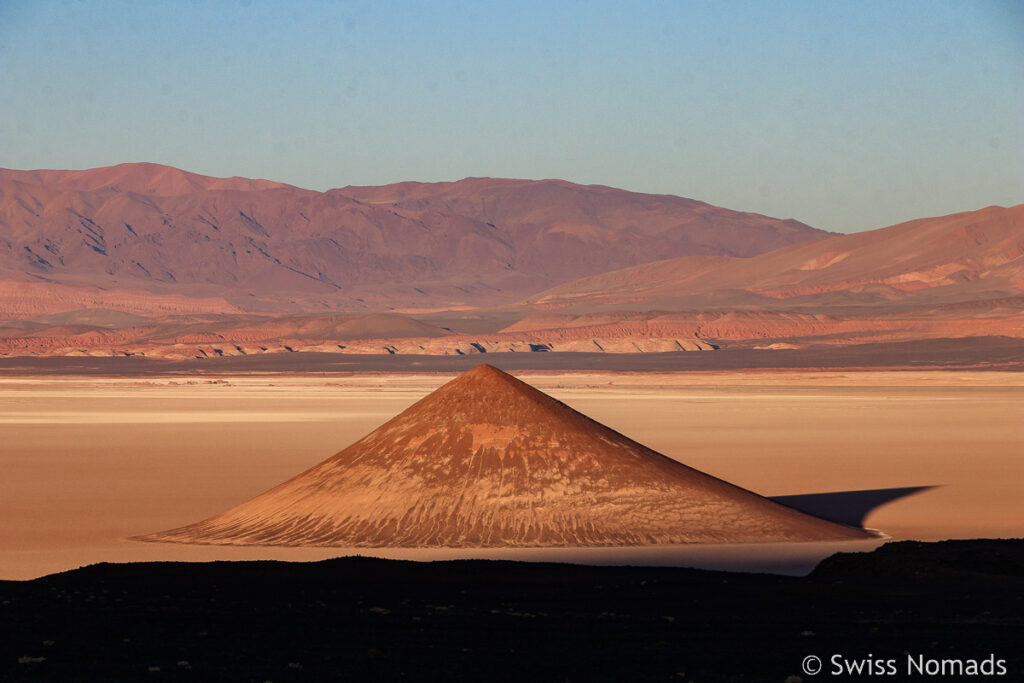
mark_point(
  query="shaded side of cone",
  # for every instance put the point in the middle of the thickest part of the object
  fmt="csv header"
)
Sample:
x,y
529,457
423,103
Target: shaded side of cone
x,y
488,461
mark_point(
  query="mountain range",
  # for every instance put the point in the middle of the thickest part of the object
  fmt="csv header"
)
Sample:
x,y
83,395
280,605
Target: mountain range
x,y
192,242
967,256
143,259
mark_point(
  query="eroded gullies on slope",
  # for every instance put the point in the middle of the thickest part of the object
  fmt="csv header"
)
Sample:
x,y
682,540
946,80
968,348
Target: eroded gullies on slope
x,y
488,461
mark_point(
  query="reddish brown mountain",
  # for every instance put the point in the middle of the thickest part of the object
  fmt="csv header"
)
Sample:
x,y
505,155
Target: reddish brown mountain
x,y
954,276
487,460
140,178
122,236
969,256
957,275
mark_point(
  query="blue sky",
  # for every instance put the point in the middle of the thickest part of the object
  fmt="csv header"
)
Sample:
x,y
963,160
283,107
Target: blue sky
x,y
846,115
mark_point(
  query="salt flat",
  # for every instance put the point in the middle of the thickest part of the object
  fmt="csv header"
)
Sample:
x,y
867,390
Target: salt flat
x,y
88,462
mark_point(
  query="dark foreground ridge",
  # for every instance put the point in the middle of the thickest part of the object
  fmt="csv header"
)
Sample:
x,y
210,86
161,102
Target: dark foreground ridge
x,y
356,618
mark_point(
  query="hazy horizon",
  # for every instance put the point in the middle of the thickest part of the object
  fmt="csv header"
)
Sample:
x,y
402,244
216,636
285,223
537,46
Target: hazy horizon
x,y
844,116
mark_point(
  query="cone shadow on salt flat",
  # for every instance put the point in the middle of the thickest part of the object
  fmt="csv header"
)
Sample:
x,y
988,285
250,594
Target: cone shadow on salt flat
x,y
848,507
488,461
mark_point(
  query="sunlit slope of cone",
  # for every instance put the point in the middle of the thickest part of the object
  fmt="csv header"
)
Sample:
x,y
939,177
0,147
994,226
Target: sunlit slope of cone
x,y
487,460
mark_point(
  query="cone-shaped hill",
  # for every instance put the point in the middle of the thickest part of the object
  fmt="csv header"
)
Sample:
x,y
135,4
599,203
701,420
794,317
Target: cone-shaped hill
x,y
487,460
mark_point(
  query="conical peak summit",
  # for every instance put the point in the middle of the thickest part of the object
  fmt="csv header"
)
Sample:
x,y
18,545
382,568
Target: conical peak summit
x,y
483,371
486,376
488,461
489,378
488,395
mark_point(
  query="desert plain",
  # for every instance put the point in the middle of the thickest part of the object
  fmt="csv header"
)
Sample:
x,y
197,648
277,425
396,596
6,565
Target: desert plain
x,y
91,461
413,342
208,362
